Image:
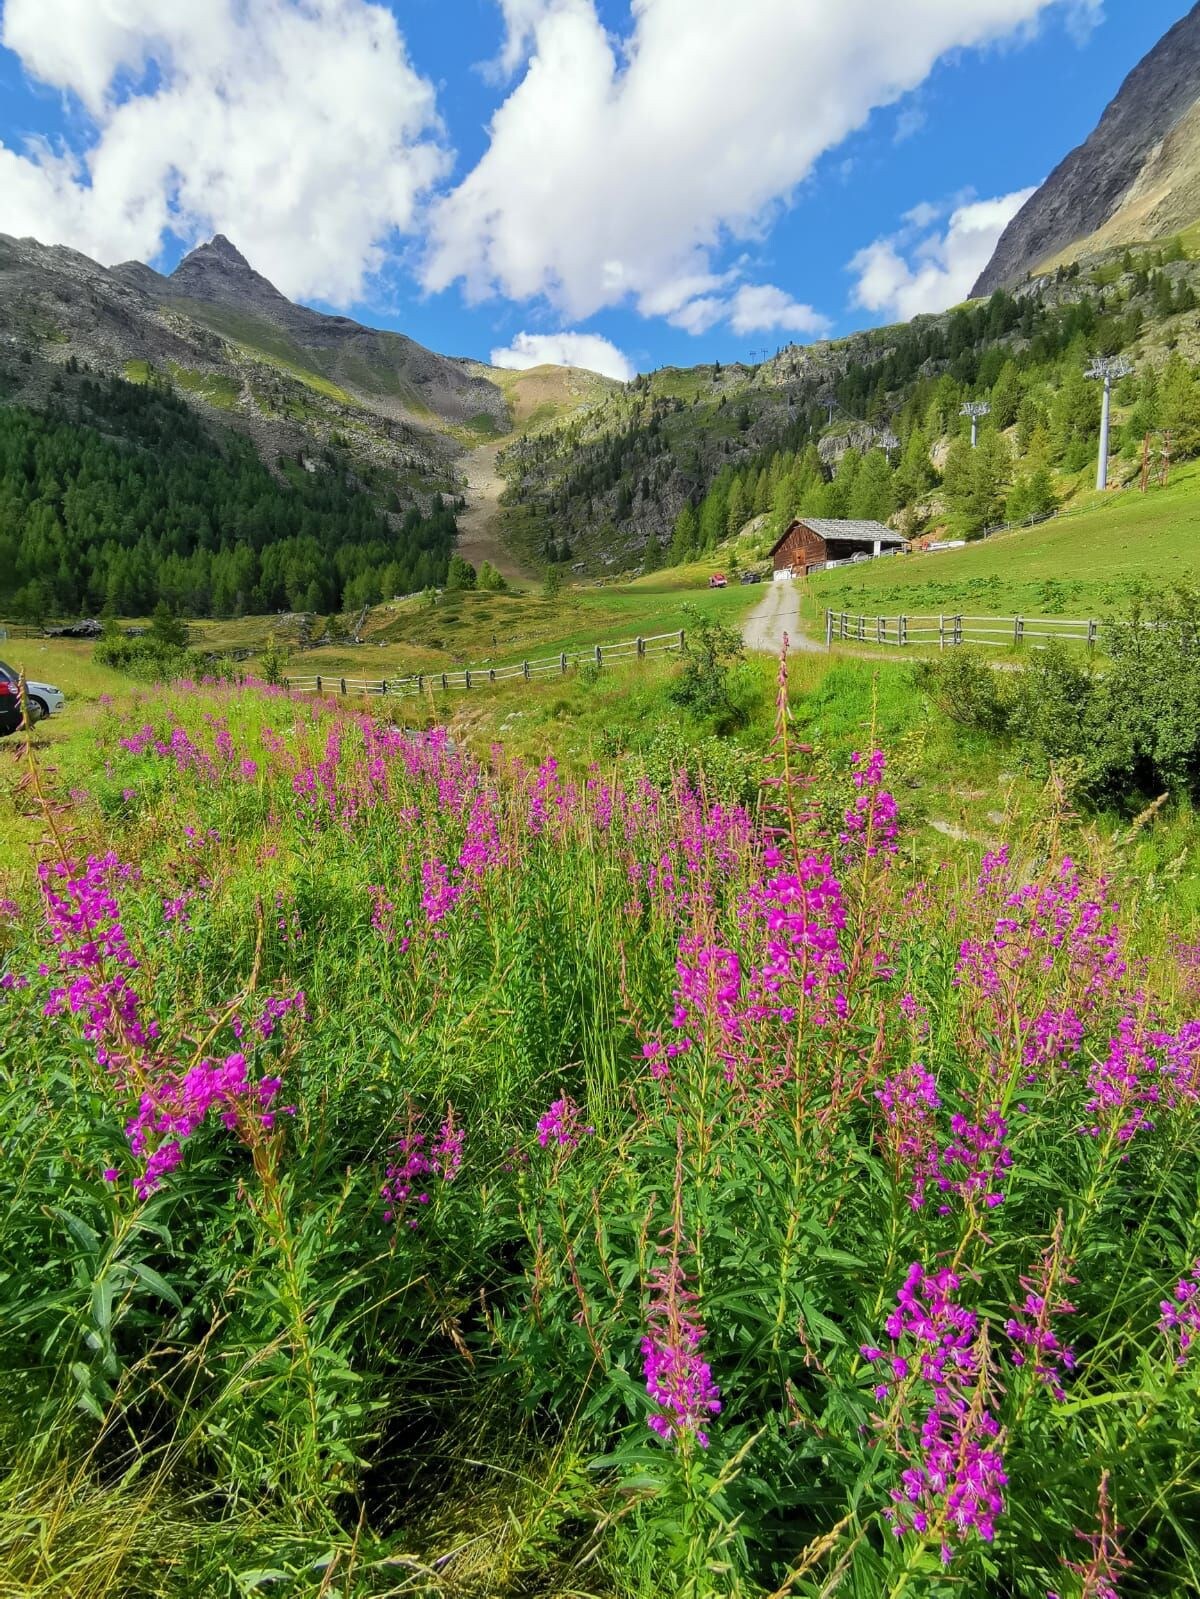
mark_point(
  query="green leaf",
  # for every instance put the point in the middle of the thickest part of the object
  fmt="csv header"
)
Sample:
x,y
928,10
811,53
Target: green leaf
x,y
102,1300
156,1283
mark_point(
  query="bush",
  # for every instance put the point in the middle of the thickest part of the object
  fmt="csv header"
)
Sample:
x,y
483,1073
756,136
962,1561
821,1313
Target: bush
x,y
703,687
967,690
1127,729
720,768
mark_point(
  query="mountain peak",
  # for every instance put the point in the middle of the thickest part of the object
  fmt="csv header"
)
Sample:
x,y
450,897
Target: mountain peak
x,y
1148,128
218,249
219,272
221,246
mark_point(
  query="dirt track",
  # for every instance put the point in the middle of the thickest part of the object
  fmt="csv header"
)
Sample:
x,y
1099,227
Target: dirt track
x,y
777,613
479,525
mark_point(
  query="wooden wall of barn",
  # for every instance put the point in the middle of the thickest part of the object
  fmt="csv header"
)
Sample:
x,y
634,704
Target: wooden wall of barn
x,y
800,548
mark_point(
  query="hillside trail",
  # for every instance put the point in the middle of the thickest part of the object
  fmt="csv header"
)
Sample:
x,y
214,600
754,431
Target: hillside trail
x,y
479,525
777,613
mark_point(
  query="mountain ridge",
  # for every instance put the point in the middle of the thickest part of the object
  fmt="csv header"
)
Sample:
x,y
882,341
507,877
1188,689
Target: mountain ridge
x,y
1091,185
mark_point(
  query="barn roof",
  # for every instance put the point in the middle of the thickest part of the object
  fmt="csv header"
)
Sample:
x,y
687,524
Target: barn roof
x,y
831,530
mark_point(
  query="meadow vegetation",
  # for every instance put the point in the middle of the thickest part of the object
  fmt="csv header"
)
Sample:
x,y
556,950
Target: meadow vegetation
x,y
453,1175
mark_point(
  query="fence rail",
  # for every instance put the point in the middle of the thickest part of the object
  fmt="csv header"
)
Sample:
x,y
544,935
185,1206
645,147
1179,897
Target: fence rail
x,y
950,631
471,677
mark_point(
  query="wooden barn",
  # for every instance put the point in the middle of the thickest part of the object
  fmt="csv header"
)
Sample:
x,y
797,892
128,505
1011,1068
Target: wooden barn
x,y
812,541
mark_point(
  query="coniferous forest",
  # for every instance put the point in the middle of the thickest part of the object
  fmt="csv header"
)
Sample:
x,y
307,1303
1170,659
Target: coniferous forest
x,y
117,495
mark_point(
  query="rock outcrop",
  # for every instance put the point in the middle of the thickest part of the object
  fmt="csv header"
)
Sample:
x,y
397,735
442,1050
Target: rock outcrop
x,y
1143,148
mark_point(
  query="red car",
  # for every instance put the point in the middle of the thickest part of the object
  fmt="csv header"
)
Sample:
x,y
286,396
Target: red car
x,y
717,580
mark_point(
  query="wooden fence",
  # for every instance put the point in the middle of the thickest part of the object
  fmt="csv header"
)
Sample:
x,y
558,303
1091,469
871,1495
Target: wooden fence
x,y
470,677
946,632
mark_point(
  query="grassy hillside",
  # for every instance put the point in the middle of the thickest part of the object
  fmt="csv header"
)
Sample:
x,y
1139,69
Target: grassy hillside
x,y
1079,565
668,465
378,1108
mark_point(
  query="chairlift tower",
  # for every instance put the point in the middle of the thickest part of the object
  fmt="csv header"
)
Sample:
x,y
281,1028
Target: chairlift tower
x,y
1109,369
975,409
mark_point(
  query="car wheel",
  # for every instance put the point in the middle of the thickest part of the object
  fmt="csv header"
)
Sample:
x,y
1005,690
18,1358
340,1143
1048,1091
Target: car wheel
x,y
38,707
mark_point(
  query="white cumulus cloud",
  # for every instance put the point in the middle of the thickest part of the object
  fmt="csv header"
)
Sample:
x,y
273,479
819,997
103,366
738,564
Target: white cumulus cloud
x,y
618,165
587,350
298,127
762,308
915,271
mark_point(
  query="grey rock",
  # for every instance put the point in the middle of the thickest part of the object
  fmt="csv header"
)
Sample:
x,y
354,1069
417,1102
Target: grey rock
x,y
1087,188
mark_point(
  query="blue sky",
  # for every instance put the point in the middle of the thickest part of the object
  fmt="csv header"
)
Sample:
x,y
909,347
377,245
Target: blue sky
x,y
619,185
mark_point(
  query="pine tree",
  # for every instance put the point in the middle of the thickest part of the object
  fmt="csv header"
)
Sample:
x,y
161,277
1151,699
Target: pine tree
x,y
872,498
1006,396
915,475
735,513
685,537
1180,406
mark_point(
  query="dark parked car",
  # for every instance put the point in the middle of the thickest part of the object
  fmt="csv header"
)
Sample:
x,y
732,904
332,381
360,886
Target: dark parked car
x,y
751,577
10,702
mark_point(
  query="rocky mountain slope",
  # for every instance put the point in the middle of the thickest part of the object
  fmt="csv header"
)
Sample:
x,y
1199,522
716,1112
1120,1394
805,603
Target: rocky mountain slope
x,y
296,382
1135,178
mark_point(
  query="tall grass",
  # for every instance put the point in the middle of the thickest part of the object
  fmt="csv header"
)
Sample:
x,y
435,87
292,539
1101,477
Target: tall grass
x,y
426,1176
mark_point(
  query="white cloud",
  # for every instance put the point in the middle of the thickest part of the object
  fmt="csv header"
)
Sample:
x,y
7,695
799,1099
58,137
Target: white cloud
x,y
587,350
617,166
762,308
909,122
904,278
297,127
1083,18
521,18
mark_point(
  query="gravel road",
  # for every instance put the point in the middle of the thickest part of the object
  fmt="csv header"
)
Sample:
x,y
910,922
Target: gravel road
x,y
777,613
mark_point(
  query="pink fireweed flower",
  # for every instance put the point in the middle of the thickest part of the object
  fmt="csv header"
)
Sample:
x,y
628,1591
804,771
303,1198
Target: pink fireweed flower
x,y
175,1108
871,821
1030,1328
952,1484
447,1151
678,1379
403,1185
1128,1084
413,1161
1108,1561
910,1102
1180,1320
973,1163
440,894
563,1125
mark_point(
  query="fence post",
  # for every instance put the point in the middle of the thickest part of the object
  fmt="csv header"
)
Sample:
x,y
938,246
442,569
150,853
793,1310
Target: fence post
x,y
902,632
958,629
562,661
343,683
1091,635
1018,629
445,685
525,670
862,621
491,674
941,632
599,662
682,641
842,627
641,646
318,685
879,630
420,682
467,675
828,627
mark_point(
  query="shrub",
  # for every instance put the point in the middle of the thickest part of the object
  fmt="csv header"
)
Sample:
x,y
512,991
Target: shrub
x,y
1128,728
703,687
967,690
